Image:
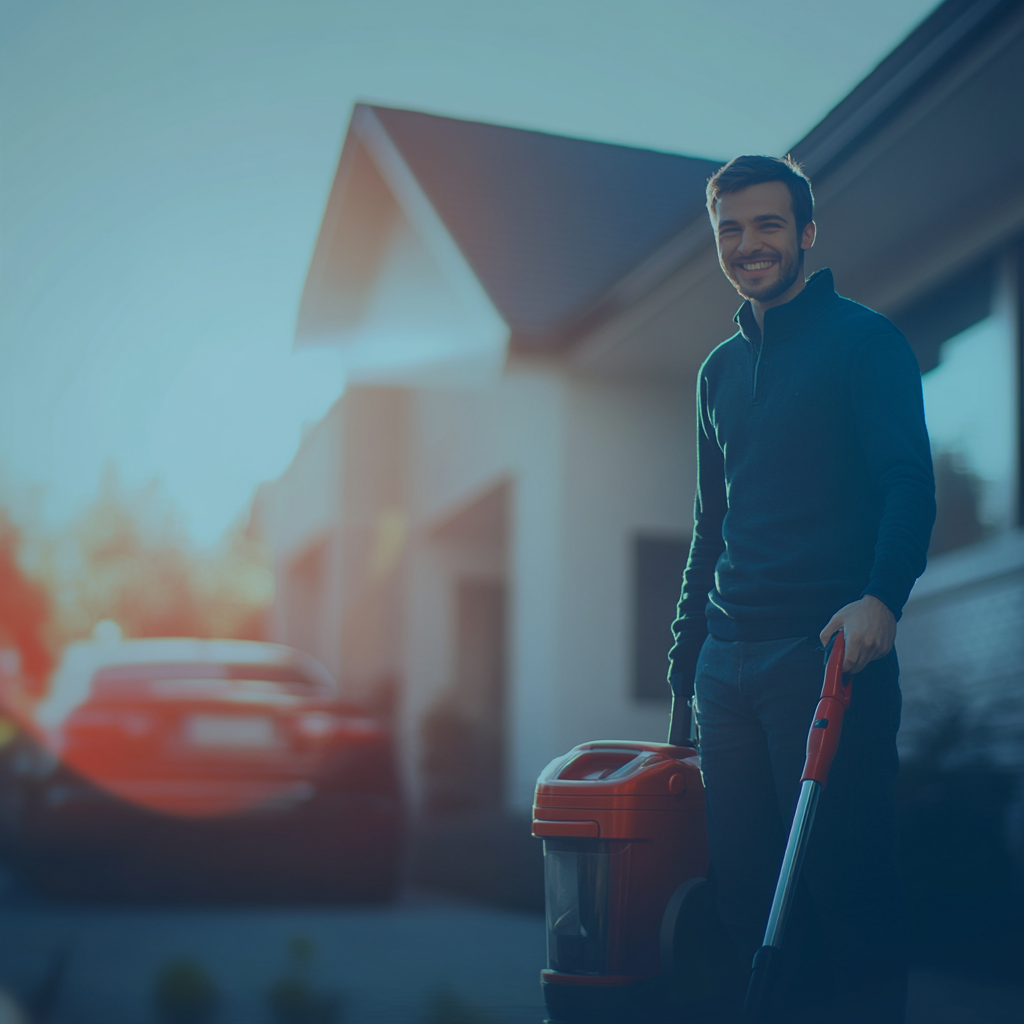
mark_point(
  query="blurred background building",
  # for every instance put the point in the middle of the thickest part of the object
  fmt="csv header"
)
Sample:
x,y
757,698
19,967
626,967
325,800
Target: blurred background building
x,y
487,531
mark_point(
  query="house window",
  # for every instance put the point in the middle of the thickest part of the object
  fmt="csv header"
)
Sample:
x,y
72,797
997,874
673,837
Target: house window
x,y
964,337
658,564
970,404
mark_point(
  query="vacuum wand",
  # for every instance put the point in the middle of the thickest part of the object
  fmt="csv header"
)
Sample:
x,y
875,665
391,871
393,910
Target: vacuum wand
x,y
822,743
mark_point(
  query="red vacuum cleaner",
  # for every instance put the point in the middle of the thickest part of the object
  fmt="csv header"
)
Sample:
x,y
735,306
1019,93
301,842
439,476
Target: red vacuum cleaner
x,y
625,866
632,932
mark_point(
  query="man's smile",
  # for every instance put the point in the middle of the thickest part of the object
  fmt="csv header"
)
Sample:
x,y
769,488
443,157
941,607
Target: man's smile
x,y
753,266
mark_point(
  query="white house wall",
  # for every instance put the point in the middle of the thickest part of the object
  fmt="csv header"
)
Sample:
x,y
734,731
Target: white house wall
x,y
299,510
629,468
416,328
464,443
392,289
373,528
432,572
302,504
590,463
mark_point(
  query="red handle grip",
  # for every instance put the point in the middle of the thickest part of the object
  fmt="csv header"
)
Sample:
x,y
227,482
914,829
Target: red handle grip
x,y
823,739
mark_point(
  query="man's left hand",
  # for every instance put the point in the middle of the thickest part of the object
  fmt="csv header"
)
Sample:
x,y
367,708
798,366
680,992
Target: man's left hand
x,y
870,629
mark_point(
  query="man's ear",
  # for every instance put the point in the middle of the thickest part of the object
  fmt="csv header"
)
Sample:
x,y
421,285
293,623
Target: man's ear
x,y
809,234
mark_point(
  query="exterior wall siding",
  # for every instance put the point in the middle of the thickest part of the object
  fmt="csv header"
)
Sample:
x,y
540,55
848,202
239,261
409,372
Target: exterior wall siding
x,y
961,650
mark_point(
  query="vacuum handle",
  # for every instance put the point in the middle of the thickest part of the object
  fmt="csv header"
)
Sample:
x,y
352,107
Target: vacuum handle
x,y
822,742
681,722
827,726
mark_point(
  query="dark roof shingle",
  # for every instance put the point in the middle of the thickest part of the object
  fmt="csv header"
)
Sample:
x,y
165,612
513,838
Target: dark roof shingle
x,y
549,224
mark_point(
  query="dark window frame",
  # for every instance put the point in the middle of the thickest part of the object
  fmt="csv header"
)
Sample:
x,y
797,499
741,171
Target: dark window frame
x,y
657,561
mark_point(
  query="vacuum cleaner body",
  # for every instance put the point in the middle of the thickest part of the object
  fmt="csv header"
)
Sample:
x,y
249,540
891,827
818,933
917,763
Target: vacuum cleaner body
x,y
625,862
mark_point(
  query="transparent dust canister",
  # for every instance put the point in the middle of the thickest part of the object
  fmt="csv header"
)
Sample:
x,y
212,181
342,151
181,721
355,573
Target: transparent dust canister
x,y
623,830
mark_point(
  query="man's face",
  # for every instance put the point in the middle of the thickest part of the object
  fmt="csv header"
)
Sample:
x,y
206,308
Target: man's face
x,y
757,240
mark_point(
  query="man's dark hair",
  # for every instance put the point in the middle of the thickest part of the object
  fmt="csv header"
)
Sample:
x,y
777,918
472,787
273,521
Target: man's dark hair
x,y
745,171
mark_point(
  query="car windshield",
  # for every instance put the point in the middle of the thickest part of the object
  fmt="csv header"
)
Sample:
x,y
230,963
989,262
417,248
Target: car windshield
x,y
119,677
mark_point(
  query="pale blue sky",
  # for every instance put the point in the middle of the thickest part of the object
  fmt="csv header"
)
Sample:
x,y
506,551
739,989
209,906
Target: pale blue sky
x,y
164,168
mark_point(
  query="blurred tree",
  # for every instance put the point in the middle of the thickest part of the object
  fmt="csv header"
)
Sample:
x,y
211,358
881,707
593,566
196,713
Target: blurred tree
x,y
25,608
128,558
958,489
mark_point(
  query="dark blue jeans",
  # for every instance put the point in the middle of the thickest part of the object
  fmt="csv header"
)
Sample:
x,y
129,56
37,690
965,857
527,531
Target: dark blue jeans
x,y
755,702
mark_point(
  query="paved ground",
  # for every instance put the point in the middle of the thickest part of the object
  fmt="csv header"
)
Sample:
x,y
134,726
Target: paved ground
x,y
422,960
427,960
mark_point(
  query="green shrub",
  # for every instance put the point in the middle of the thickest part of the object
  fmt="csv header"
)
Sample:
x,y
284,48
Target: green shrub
x,y
185,993
293,999
448,1007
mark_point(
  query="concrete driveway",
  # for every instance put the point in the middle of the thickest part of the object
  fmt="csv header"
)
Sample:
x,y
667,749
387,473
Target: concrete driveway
x,y
423,959
427,959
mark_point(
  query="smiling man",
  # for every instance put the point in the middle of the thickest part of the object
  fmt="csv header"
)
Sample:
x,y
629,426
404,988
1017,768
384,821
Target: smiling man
x,y
814,507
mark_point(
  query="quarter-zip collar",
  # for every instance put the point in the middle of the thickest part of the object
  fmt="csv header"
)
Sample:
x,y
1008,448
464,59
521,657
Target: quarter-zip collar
x,y
817,295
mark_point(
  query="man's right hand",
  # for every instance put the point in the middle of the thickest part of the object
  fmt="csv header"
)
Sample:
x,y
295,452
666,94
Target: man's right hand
x,y
870,629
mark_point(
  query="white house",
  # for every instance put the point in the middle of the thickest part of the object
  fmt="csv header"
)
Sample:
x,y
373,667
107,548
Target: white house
x,y
491,523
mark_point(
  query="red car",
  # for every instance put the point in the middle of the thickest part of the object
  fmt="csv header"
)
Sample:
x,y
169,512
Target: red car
x,y
219,765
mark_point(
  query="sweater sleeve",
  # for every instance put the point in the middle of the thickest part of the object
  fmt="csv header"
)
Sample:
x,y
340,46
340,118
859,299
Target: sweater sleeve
x,y
690,628
889,410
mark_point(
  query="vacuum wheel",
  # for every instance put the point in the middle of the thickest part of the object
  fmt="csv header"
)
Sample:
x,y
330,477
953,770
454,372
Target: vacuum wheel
x,y
697,955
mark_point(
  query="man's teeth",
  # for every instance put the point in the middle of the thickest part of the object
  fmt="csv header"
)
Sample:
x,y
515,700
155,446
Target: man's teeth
x,y
763,265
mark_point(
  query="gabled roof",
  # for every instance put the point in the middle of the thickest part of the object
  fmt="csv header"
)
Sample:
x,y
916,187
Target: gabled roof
x,y
548,224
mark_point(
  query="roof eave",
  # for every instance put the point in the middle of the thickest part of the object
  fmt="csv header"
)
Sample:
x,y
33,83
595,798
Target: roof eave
x,y
679,250
941,39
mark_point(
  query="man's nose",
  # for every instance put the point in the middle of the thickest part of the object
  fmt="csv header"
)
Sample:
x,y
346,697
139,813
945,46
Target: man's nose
x,y
748,243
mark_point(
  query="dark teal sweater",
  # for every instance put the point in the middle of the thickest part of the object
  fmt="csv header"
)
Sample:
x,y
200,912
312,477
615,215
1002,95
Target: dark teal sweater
x,y
814,475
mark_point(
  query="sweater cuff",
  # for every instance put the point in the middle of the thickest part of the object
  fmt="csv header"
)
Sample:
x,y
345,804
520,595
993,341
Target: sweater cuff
x,y
892,599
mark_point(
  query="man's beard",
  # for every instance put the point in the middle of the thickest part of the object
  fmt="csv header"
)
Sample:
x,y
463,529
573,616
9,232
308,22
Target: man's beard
x,y
787,278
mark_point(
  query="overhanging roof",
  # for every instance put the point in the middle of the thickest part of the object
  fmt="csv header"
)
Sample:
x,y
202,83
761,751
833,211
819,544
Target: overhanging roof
x,y
931,51
918,175
938,42
547,224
